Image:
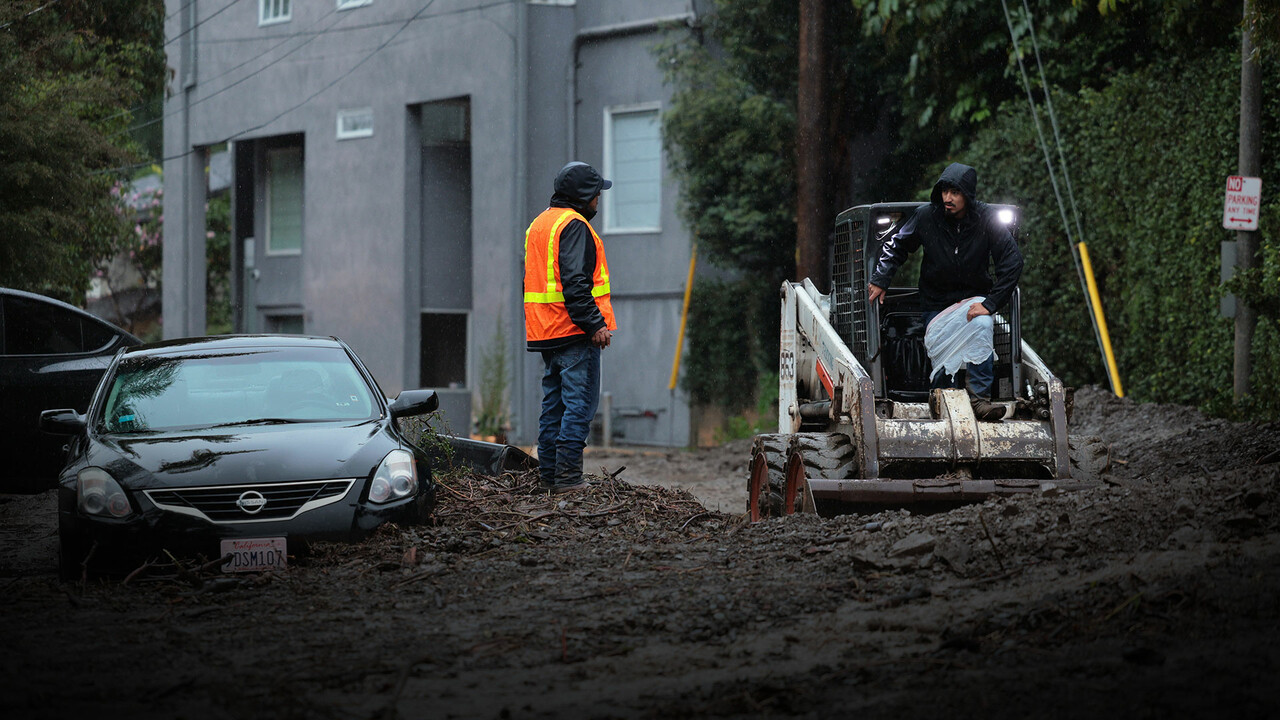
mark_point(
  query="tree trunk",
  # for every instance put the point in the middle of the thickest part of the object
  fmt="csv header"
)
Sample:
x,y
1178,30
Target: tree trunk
x,y
812,221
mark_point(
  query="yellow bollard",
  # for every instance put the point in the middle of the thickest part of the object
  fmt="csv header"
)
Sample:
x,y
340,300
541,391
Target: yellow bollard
x,y
684,315
1102,321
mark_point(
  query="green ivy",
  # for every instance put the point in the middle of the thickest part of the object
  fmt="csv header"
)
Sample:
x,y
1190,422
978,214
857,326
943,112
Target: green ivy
x,y
721,369
1148,163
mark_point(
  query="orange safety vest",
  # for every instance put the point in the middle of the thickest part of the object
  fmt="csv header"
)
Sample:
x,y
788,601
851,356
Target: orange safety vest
x,y
545,316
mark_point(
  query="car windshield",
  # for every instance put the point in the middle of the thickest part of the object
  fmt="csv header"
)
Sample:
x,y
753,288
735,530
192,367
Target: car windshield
x,y
245,386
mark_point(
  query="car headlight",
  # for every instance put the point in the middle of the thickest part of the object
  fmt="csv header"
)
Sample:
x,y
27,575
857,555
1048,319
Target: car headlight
x,y
97,493
396,478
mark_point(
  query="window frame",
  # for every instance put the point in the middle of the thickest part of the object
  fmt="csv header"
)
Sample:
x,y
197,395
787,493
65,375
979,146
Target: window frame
x,y
346,113
264,5
273,319
610,212
268,250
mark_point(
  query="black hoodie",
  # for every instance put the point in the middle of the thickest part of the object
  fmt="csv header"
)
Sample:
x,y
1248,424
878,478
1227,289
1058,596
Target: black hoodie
x,y
956,252
575,187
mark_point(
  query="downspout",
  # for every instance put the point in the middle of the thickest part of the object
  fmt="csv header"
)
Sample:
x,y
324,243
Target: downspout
x,y
608,32
521,206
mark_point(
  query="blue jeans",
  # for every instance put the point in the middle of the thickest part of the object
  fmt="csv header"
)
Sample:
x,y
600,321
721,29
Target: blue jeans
x,y
570,394
981,375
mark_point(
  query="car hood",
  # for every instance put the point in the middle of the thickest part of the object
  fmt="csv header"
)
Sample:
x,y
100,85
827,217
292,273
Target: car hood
x,y
245,455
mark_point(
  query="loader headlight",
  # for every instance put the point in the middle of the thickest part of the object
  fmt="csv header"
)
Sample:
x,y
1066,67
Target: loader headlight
x,y
396,478
97,493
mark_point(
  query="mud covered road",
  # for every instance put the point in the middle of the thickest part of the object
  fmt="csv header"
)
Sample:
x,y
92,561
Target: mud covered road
x,y
1155,596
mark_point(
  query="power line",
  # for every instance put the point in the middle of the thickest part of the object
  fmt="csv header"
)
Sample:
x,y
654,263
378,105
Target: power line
x,y
290,109
338,79
224,73
246,78
312,36
1044,146
29,14
349,28
185,5
198,23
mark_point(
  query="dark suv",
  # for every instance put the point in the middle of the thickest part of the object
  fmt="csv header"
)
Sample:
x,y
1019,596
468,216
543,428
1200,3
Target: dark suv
x,y
51,356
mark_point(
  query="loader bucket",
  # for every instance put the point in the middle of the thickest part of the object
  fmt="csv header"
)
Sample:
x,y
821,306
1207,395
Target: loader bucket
x,y
486,458
937,458
828,497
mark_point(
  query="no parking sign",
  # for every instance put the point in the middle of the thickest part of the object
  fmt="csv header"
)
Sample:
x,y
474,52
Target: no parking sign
x,y
1244,198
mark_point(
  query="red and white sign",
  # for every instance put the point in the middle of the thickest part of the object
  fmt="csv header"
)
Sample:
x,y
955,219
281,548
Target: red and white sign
x,y
1244,198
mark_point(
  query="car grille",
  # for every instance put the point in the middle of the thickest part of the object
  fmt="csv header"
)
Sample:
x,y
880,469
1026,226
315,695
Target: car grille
x,y
234,503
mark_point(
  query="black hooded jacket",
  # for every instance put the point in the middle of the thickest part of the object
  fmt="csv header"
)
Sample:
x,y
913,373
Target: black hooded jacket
x,y
956,252
575,186
577,264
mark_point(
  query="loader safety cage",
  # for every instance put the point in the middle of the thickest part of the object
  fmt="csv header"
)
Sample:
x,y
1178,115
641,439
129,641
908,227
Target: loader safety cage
x,y
889,341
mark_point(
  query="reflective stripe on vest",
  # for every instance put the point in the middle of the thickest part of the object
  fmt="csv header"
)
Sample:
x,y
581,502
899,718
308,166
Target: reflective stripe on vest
x,y
553,293
545,315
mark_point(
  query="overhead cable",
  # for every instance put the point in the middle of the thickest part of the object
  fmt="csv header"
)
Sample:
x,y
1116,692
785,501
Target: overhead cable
x,y
29,14
1048,161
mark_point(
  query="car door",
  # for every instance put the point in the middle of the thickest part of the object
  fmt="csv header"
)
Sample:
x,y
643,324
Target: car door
x,y
51,356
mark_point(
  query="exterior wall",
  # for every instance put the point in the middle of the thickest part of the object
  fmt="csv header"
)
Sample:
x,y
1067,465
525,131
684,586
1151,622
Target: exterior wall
x,y
359,225
648,269
359,273
611,42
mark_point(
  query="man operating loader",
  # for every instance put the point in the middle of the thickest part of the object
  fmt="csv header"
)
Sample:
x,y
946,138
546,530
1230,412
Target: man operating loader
x,y
960,236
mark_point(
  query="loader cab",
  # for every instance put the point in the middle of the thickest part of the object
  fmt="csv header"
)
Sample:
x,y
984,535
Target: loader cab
x,y
888,338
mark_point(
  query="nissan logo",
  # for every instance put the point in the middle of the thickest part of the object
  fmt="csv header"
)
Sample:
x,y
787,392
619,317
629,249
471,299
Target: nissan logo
x,y
251,502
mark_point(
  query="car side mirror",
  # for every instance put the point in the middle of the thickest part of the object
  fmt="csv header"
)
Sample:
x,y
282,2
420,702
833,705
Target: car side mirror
x,y
62,422
414,402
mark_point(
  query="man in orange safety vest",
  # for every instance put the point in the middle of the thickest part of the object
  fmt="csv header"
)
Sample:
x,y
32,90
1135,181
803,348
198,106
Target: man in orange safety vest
x,y
569,319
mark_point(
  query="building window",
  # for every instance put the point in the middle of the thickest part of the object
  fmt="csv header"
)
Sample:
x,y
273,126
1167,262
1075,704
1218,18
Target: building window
x,y
284,201
446,122
444,350
274,11
348,4
285,324
633,161
355,123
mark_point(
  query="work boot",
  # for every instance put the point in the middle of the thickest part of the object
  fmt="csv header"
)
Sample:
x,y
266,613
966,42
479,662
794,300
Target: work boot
x,y
560,489
987,411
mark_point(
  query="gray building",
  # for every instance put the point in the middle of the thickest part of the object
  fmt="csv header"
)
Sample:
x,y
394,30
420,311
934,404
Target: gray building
x,y
388,155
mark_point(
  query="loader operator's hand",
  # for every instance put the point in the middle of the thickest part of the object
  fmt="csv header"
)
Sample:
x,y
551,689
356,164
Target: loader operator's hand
x,y
874,293
602,338
976,310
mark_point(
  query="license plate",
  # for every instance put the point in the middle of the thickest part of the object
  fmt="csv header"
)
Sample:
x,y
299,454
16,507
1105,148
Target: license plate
x,y
254,554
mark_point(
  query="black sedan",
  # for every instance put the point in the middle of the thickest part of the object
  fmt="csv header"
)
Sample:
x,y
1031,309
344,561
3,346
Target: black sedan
x,y
51,355
243,447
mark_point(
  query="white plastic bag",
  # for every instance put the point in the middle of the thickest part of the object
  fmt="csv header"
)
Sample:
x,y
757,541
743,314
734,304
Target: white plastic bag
x,y
952,341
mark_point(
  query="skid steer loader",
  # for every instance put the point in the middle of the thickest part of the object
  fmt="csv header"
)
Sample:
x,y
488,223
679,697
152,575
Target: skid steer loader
x,y
859,426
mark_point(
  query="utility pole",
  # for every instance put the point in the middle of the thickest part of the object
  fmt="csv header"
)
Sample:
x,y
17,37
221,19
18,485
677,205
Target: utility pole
x,y
812,145
1250,164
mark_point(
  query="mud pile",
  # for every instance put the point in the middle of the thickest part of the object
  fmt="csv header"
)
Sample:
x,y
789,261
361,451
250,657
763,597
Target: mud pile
x,y
1155,595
